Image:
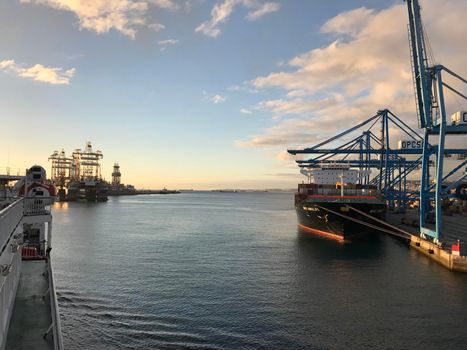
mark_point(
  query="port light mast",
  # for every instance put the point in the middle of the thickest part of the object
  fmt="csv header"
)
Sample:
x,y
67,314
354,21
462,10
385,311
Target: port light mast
x,y
431,112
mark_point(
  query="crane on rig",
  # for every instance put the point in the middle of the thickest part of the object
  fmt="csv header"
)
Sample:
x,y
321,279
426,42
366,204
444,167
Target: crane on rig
x,y
431,112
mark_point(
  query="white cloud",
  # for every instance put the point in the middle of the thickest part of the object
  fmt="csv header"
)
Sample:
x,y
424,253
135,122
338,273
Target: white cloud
x,y
246,86
157,27
166,4
221,12
101,16
264,9
349,22
38,72
298,105
284,155
365,68
168,42
216,99
245,111
282,134
7,64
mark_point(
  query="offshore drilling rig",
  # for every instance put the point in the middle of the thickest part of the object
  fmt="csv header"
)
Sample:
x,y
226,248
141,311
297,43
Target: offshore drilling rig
x,y
117,188
79,177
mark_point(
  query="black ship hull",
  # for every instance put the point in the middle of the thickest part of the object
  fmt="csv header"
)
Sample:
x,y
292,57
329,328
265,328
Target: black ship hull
x,y
333,219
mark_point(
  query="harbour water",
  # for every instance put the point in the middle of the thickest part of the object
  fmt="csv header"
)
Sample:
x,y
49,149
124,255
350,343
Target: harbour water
x,y
204,270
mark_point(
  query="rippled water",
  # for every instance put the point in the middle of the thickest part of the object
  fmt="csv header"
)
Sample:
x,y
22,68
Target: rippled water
x,y
209,270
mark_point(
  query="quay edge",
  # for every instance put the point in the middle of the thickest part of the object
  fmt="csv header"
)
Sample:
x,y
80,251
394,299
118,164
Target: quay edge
x,y
441,256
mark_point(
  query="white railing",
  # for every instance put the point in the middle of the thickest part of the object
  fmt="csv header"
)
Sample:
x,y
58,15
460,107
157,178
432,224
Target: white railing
x,y
8,286
37,205
56,324
10,261
337,192
10,217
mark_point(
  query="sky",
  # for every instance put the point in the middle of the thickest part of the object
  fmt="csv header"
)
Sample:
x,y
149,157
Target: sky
x,y
206,94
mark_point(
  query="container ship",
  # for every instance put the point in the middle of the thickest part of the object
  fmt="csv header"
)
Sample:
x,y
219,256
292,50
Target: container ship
x,y
333,204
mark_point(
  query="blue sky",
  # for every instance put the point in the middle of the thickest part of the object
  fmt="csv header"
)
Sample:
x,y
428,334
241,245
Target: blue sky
x,y
180,104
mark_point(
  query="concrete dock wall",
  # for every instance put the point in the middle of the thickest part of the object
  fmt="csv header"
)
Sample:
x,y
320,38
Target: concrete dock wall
x,y
436,253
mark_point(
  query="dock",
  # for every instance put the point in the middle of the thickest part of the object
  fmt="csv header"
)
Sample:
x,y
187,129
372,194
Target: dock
x,y
454,231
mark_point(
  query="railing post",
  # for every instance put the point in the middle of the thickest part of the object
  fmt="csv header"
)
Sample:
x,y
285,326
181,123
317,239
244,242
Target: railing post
x,y
49,236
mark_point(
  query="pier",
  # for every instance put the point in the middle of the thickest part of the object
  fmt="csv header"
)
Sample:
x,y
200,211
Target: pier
x,y
455,231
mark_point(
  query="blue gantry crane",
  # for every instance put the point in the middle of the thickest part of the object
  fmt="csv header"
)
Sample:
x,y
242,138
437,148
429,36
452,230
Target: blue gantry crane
x,y
373,150
431,111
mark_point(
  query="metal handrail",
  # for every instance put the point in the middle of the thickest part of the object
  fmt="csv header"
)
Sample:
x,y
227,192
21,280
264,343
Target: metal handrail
x,y
10,217
337,192
56,324
37,205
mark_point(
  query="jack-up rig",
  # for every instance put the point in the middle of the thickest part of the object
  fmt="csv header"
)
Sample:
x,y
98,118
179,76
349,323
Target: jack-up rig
x,y
79,177
375,150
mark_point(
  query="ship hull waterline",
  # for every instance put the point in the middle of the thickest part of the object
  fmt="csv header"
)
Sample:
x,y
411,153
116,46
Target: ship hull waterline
x,y
319,218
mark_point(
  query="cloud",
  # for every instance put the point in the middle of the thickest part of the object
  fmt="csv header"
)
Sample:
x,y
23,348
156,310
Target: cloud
x,y
349,22
280,107
38,72
157,27
101,16
286,175
365,67
7,64
246,87
245,111
264,9
290,131
221,12
284,155
168,42
216,99
166,4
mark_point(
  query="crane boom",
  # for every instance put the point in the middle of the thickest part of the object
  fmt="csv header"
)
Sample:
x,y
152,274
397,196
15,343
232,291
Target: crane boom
x,y
422,76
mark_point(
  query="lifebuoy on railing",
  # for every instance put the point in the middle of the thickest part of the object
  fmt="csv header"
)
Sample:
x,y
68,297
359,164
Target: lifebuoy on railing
x,y
461,192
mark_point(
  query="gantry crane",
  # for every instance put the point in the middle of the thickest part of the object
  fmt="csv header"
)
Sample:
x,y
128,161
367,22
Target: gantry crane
x,y
431,111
